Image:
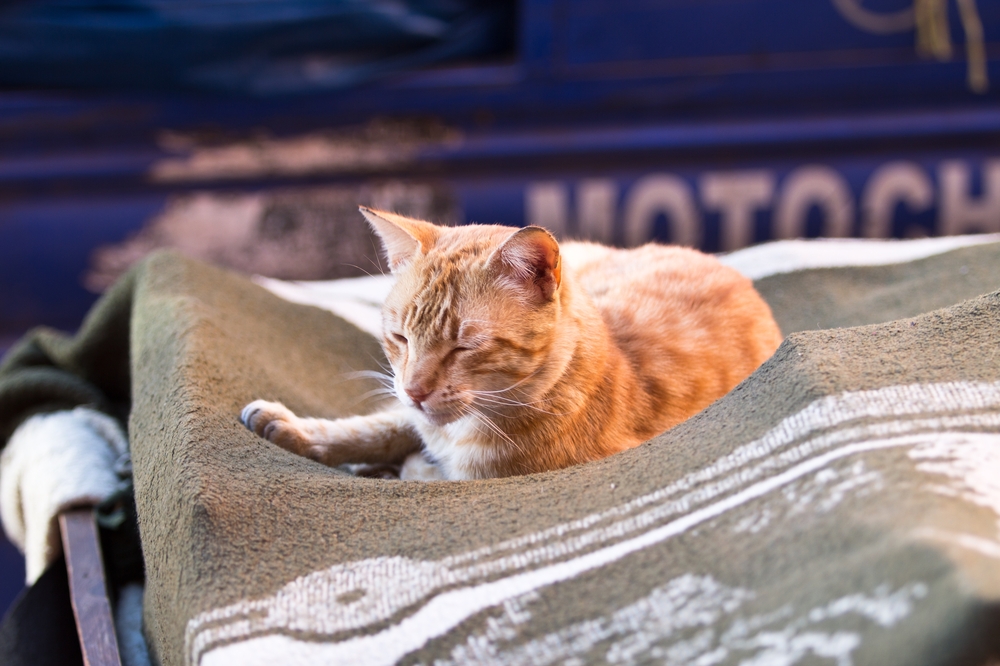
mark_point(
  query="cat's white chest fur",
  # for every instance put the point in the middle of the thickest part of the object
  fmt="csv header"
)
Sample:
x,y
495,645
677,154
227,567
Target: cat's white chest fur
x,y
458,449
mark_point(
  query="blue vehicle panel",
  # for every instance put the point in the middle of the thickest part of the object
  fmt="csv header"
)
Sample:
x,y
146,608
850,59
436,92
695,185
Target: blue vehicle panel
x,y
715,123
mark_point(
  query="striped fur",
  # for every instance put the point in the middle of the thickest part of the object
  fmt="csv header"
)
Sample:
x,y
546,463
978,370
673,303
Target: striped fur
x,y
513,354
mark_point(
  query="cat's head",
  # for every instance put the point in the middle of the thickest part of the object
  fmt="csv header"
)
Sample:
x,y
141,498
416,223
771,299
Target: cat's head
x,y
471,323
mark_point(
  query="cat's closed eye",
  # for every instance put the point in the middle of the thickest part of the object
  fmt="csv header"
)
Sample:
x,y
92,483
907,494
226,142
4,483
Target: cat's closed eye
x,y
455,352
400,338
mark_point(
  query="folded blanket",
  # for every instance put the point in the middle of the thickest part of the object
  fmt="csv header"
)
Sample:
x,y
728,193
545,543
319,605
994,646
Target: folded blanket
x,y
841,503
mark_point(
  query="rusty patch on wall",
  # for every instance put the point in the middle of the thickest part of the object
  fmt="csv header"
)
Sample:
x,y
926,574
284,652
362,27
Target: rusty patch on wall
x,y
379,145
293,234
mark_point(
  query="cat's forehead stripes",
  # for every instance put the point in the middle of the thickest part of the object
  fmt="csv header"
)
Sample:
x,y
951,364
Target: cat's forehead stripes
x,y
464,245
433,307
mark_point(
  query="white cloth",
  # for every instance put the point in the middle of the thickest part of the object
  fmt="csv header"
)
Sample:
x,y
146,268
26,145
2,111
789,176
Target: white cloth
x,y
357,300
54,462
787,256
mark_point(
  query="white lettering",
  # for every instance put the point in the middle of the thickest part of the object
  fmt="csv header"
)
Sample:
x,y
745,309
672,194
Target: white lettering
x,y
596,205
959,213
891,184
820,186
547,205
661,195
737,194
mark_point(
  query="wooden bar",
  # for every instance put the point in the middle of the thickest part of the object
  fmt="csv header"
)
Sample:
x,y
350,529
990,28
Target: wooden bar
x,y
88,590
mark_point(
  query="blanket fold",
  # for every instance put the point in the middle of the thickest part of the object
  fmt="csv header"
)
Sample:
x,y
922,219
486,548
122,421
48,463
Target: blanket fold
x,y
841,503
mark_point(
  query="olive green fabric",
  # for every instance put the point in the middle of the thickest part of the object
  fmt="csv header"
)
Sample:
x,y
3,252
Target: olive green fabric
x,y
859,295
840,504
680,547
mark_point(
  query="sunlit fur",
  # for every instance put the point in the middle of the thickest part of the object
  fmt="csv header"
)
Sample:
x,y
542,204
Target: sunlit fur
x,y
524,355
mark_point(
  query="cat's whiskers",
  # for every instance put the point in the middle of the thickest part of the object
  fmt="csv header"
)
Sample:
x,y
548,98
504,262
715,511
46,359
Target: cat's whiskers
x,y
515,455
363,270
488,422
382,363
510,402
514,385
386,380
371,394
382,377
377,261
378,391
497,396
505,452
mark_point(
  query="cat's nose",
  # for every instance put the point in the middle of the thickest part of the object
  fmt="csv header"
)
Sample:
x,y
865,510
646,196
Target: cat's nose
x,y
417,394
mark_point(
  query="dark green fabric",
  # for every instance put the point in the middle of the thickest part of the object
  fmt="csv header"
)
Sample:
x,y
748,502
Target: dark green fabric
x,y
48,370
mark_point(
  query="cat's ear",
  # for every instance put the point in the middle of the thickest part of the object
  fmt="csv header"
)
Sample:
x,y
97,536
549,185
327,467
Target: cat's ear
x,y
403,238
529,260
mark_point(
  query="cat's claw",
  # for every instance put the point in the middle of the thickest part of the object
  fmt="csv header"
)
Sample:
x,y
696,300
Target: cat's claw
x,y
259,413
274,422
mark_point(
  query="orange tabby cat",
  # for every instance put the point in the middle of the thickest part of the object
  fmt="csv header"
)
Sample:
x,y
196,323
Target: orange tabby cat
x,y
514,354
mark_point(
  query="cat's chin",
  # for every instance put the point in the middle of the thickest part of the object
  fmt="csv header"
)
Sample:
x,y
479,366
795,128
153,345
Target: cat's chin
x,y
441,418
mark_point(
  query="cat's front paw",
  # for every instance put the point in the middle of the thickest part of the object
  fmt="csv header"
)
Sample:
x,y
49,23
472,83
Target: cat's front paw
x,y
275,423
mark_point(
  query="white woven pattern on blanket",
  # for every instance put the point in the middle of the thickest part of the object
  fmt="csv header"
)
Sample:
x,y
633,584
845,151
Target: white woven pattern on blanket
x,y
827,444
